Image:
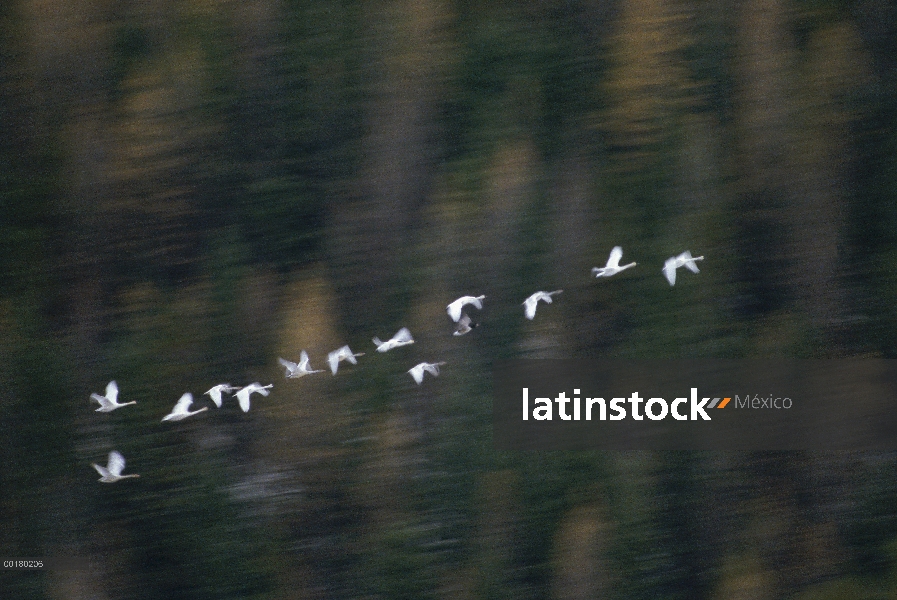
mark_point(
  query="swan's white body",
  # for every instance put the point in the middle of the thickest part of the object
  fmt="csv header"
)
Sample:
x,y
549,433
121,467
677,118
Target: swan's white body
x,y
401,338
298,370
344,353
683,260
109,402
181,410
215,393
613,264
464,325
418,371
454,309
112,472
531,302
243,395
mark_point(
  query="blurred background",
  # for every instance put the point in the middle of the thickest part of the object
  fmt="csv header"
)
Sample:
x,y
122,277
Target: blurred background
x,y
190,189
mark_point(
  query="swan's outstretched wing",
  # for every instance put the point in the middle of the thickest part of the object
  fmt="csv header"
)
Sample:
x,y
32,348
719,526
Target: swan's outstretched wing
x,y
454,310
215,394
116,463
348,355
288,365
669,270
465,325
530,304
243,399
183,404
112,391
432,369
103,401
402,335
616,254
261,389
303,360
533,301
417,372
689,262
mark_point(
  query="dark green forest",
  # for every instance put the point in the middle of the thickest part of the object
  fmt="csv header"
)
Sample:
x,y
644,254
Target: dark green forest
x,y
190,189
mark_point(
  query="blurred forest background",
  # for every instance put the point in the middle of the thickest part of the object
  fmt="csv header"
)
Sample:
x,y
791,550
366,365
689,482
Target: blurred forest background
x,y
191,188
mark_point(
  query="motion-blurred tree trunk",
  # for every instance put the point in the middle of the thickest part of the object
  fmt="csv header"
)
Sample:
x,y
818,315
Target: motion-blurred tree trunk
x,y
763,119
646,85
793,208
582,568
824,163
372,226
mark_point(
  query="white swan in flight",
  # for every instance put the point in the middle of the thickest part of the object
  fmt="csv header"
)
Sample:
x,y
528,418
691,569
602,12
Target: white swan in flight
x,y
465,325
683,260
533,300
344,353
418,371
181,410
298,370
454,309
243,395
215,392
112,472
613,264
401,338
109,402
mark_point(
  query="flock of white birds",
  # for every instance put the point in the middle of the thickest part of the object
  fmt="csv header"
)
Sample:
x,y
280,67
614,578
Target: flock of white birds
x,y
463,325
